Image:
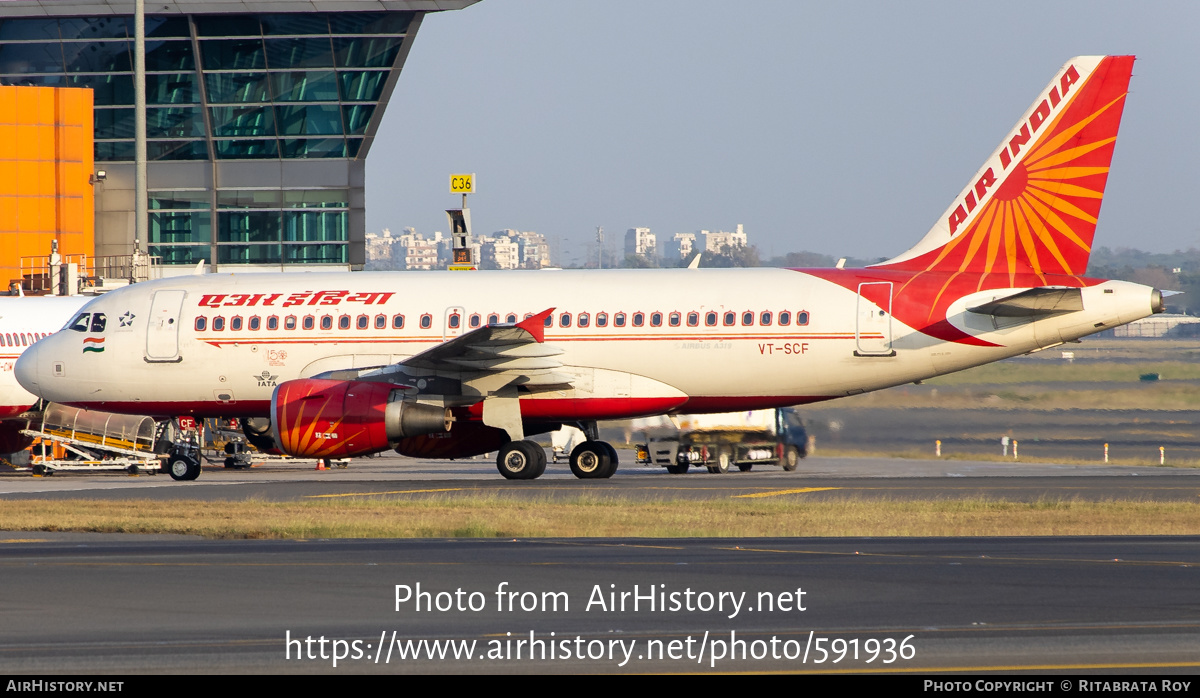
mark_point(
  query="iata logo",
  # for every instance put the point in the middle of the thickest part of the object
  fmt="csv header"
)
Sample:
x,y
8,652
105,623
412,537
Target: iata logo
x,y
265,379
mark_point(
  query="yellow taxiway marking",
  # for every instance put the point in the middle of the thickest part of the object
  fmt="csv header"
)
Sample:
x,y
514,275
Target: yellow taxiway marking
x,y
24,540
371,494
776,493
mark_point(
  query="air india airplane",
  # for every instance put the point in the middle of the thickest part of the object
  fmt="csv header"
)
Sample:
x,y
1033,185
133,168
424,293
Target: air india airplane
x,y
451,364
24,321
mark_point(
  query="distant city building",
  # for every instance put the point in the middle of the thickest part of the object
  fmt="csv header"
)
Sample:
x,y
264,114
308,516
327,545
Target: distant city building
x,y
640,242
682,245
501,252
715,242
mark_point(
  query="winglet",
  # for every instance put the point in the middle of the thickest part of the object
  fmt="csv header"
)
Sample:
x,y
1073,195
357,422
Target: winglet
x,y
536,325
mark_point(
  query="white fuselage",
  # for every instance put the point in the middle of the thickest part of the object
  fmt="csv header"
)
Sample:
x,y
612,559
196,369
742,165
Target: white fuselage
x,y
24,321
219,344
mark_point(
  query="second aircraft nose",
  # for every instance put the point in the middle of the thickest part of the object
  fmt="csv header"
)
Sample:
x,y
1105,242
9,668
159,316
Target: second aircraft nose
x,y
26,369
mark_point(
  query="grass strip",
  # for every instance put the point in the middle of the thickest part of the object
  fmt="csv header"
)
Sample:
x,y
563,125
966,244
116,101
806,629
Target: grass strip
x,y
597,515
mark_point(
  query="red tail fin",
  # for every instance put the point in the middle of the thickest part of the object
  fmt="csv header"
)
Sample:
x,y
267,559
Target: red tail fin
x,y
1033,206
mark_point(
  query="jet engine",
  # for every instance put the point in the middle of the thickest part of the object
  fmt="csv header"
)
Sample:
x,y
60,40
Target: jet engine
x,y
321,418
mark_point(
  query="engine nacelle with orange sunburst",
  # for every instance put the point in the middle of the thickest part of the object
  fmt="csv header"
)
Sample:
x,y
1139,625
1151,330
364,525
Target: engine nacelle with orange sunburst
x,y
320,418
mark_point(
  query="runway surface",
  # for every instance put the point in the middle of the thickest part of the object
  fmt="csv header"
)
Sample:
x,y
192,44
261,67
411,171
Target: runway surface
x,y
113,604
816,478
124,604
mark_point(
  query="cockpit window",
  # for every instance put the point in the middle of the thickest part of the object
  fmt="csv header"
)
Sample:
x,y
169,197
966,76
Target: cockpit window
x,y
98,321
81,323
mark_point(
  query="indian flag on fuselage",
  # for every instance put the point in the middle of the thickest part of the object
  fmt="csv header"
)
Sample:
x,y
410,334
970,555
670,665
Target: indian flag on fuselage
x,y
94,344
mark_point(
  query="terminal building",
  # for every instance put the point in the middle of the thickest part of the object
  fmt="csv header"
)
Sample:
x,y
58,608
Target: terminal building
x,y
260,117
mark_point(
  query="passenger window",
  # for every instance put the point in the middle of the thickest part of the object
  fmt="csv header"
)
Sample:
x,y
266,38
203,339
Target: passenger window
x,y
426,321
511,319
802,317
765,318
81,323
601,319
693,319
638,319
493,319
619,319
201,323
475,320
710,318
218,323
674,319
273,322
235,323
656,319
397,322
289,322
363,322
564,320
255,323
730,318
549,321
455,321
381,322
310,322
584,319
748,317
343,322
785,318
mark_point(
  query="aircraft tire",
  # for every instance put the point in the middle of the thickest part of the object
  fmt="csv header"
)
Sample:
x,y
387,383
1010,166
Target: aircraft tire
x,y
745,467
612,459
183,468
590,460
677,469
518,460
540,454
791,458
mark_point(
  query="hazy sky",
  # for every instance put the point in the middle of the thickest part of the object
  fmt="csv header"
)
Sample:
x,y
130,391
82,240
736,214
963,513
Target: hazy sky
x,y
844,128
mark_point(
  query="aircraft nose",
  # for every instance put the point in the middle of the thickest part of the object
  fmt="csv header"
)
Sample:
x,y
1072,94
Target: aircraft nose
x,y
26,369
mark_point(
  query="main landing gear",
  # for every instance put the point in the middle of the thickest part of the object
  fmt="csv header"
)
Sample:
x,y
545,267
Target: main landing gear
x,y
594,459
526,460
521,460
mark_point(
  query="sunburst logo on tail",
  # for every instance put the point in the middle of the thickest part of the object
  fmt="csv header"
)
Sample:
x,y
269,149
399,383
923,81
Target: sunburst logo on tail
x,y
1033,207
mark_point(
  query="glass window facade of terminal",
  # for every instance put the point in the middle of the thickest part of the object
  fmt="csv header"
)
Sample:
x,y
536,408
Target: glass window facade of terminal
x,y
226,87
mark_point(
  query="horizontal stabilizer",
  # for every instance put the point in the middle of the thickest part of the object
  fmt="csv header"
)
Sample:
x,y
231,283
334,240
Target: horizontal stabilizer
x,y
1036,302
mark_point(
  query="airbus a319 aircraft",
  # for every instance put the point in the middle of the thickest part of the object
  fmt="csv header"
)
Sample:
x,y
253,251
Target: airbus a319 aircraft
x,y
457,364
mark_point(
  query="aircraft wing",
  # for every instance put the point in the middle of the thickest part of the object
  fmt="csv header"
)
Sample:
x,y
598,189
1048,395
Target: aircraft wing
x,y
481,362
1034,302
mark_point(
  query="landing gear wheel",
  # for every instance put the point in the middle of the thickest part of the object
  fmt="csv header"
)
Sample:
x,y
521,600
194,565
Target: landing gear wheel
x,y
677,469
40,469
230,462
745,467
184,468
521,460
791,458
612,458
540,454
724,459
593,460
